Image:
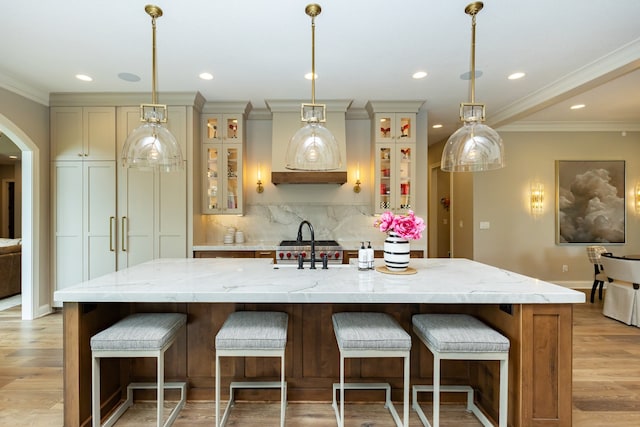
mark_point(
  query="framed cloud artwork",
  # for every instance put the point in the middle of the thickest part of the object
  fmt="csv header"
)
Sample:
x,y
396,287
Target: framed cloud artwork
x,y
590,202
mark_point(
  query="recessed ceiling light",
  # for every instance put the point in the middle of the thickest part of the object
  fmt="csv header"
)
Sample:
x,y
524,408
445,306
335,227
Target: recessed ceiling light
x,y
577,106
419,75
437,126
206,76
516,76
129,77
308,76
84,77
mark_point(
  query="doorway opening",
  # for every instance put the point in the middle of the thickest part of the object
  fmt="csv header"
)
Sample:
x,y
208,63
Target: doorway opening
x,y
35,299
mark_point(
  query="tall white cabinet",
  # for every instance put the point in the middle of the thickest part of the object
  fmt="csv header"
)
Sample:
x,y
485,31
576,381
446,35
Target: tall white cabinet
x,y
83,188
223,155
107,217
393,148
152,206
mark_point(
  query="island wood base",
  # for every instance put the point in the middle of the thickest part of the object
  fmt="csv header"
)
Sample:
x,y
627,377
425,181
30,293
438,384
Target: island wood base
x,y
540,357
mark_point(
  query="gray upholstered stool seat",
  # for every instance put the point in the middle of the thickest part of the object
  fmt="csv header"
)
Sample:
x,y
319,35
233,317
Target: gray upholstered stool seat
x,y
137,335
252,333
461,337
371,335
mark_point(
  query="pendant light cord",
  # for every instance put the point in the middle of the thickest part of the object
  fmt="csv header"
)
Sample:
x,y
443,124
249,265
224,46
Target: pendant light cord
x,y
313,60
153,60
473,58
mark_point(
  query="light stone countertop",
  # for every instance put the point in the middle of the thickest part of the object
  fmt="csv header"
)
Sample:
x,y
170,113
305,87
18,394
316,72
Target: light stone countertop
x,y
249,280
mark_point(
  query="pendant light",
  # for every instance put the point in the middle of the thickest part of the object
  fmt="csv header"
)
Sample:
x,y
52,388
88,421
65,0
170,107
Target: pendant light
x,y
313,147
474,147
151,145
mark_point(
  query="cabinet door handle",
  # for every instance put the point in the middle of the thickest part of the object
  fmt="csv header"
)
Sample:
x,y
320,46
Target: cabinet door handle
x,y
111,221
124,233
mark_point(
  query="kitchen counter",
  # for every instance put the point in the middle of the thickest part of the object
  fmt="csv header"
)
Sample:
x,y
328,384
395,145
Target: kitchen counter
x,y
535,315
442,281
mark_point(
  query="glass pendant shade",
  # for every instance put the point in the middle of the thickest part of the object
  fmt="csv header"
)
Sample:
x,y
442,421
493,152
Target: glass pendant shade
x,y
473,148
152,146
313,147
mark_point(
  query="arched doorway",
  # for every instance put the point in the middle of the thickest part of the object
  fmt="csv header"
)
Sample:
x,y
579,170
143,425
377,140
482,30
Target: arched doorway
x,y
35,300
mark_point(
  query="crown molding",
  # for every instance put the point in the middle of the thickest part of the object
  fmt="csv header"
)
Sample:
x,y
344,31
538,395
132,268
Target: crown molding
x,y
293,105
117,99
549,126
19,88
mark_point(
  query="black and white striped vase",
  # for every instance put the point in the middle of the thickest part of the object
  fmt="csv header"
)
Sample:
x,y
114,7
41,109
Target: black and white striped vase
x,y
396,252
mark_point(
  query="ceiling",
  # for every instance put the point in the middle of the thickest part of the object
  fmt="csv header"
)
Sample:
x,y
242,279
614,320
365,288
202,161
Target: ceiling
x,y
585,51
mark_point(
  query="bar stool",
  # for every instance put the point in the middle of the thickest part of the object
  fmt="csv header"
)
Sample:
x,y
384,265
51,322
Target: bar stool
x,y
361,335
137,335
257,334
460,337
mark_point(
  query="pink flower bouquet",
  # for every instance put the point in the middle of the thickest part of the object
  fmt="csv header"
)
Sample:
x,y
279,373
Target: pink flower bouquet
x,y
407,226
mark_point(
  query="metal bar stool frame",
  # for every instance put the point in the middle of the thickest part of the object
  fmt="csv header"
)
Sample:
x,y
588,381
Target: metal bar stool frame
x,y
160,385
364,352
436,388
250,352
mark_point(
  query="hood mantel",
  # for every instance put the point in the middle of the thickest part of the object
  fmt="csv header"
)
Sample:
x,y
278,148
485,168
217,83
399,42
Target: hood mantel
x,y
286,122
308,177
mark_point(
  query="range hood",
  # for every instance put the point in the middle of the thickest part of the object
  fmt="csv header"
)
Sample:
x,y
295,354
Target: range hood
x,y
286,122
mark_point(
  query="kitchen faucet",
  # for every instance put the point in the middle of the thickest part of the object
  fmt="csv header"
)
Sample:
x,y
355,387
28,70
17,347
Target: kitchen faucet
x,y
313,241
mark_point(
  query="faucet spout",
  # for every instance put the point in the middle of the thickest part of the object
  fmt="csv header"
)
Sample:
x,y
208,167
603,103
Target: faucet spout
x,y
313,241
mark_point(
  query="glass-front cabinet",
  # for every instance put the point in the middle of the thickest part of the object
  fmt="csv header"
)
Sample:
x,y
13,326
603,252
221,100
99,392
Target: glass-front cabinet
x,y
393,150
223,128
395,127
223,151
223,166
395,172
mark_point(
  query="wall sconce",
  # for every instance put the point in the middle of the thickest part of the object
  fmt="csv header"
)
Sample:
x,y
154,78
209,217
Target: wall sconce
x,y
260,187
356,188
636,196
537,198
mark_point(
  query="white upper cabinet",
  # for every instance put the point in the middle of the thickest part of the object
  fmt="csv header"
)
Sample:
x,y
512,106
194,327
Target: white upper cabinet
x,y
393,150
223,157
395,127
227,128
83,133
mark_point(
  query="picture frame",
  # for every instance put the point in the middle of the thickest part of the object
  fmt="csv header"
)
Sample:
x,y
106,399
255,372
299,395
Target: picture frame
x,y
590,202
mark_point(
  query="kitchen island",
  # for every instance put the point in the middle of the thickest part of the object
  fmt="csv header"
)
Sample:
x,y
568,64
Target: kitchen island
x,y
536,316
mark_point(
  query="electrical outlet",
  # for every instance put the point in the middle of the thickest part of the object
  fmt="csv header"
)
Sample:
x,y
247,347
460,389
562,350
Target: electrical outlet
x,y
565,268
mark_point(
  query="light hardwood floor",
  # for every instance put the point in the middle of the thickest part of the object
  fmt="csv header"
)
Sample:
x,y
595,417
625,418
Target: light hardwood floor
x,y
606,382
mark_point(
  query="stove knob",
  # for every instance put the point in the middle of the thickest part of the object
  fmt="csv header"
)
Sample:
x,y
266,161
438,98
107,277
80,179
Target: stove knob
x,y
288,255
321,255
304,254
281,255
337,255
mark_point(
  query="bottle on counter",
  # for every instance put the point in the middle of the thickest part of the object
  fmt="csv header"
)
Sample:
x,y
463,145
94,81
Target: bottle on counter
x,y
362,258
369,256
